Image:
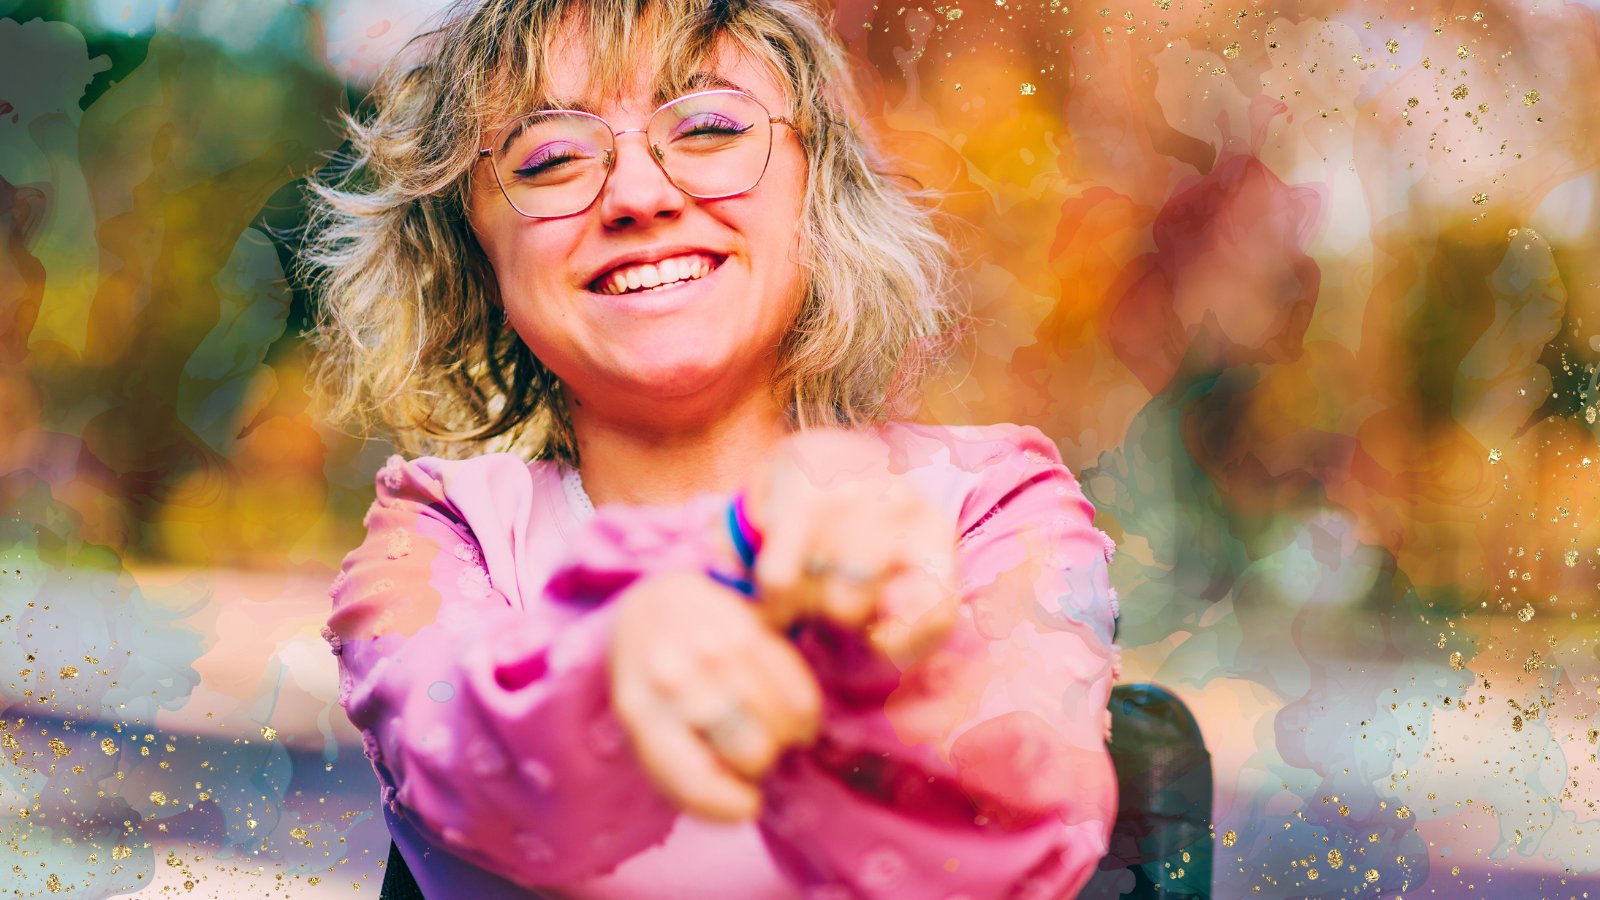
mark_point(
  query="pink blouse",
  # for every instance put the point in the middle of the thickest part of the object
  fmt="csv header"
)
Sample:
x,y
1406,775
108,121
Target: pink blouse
x,y
471,628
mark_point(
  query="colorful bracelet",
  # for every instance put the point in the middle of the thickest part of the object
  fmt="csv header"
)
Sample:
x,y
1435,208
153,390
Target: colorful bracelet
x,y
745,537
747,541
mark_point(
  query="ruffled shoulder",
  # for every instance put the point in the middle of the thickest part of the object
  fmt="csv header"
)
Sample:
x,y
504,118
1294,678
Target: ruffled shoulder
x,y
991,463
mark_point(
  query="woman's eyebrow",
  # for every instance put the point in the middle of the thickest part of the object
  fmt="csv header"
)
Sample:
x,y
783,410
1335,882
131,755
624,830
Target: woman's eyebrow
x,y
572,103
701,81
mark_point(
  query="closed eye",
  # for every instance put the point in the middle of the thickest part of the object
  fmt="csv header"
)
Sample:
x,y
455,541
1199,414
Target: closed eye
x,y
546,155
548,162
711,124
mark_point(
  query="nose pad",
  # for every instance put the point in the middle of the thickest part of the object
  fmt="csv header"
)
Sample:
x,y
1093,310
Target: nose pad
x,y
611,159
660,155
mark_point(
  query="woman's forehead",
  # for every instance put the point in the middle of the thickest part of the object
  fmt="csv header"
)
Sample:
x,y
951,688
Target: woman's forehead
x,y
571,80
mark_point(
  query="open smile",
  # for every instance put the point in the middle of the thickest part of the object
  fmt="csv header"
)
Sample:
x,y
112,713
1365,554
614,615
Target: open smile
x,y
635,278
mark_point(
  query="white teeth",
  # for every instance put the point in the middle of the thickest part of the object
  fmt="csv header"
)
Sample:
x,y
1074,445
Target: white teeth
x,y
659,274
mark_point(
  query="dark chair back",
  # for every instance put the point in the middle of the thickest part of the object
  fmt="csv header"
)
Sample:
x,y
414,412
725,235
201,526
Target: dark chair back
x,y
1161,844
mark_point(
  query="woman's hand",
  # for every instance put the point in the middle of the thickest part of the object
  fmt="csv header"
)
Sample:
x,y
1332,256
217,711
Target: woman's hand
x,y
710,696
846,539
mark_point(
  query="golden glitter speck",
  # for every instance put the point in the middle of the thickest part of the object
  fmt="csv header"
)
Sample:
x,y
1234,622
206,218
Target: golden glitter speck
x,y
1480,198
1344,810
1231,51
1335,858
158,798
1460,92
268,732
120,852
1530,98
1372,874
1312,874
1393,46
1403,812
1462,51
1229,836
69,671
108,746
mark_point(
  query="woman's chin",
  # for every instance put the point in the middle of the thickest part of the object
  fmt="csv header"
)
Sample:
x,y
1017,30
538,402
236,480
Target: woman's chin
x,y
666,378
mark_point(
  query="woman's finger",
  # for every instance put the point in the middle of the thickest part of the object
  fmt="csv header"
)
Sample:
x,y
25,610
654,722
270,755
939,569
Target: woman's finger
x,y
786,693
905,639
750,700
686,770
849,596
787,591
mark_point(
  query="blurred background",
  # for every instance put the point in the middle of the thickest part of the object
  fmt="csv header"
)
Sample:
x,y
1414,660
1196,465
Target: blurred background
x,y
1298,288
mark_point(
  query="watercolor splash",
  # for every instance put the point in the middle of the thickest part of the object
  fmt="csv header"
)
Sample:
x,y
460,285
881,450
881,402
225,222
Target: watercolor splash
x,y
1300,290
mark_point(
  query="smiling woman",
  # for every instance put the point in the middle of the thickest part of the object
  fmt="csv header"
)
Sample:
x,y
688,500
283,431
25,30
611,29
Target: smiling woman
x,y
413,335
799,649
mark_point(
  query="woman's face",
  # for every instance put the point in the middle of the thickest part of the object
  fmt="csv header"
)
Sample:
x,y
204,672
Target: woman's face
x,y
691,348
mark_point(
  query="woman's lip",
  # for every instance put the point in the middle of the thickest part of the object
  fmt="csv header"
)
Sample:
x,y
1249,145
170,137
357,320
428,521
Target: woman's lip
x,y
661,300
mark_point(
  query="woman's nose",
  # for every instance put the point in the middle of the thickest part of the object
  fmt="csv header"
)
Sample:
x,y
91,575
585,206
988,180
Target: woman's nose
x,y
638,191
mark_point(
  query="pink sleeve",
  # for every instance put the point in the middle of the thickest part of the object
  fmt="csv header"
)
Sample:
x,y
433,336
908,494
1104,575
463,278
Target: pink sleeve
x,y
981,770
489,726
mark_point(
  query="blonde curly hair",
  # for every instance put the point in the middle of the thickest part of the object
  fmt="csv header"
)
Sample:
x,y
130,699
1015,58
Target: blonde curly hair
x,y
409,332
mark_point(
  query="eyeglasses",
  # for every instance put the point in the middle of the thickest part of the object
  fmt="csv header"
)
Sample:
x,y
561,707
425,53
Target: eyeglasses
x,y
710,145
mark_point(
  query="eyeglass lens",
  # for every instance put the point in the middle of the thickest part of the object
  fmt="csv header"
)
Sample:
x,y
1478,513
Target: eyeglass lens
x,y
711,145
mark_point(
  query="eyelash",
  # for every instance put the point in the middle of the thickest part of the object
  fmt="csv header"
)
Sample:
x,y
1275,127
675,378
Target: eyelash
x,y
718,125
547,163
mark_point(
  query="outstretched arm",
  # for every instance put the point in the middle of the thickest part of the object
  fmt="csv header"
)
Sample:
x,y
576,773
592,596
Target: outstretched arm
x,y
489,726
980,766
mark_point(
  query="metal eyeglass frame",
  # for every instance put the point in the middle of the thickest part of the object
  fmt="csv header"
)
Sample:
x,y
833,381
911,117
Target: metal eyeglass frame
x,y
656,153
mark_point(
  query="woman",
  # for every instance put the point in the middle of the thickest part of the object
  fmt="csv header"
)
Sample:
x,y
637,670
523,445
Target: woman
x,y
730,634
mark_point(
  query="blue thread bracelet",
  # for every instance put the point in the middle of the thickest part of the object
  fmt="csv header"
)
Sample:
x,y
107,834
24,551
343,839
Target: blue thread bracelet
x,y
739,529
747,542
